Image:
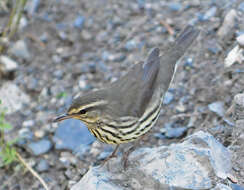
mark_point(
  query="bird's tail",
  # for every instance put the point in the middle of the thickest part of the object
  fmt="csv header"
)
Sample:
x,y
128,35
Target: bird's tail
x,y
183,41
175,52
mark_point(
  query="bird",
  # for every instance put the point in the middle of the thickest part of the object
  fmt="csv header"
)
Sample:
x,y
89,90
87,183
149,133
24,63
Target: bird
x,y
128,108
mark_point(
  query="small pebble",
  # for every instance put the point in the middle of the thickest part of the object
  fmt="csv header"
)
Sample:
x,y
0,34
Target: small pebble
x,y
86,35
20,49
130,45
174,6
44,37
24,135
7,65
39,134
40,147
240,40
241,7
79,22
33,6
210,13
23,23
217,107
28,123
168,98
141,3
42,166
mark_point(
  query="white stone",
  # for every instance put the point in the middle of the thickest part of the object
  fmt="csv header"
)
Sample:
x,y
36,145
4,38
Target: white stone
x,y
240,40
234,56
12,97
7,64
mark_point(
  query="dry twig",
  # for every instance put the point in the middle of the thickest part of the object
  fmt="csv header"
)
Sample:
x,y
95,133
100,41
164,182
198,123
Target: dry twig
x,y
33,172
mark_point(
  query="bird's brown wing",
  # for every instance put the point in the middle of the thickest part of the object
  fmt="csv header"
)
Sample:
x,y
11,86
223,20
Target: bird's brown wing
x,y
132,93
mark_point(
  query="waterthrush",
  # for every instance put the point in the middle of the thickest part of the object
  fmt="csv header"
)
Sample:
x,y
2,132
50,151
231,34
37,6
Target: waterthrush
x,y
128,108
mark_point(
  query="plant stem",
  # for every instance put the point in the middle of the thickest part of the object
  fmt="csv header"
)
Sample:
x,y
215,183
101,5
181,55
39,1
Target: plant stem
x,y
33,172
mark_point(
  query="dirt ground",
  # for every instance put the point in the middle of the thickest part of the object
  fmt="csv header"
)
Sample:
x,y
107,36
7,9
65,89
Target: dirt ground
x,y
67,58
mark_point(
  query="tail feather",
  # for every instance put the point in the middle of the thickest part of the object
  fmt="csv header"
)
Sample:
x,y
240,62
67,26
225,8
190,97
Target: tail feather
x,y
184,40
177,50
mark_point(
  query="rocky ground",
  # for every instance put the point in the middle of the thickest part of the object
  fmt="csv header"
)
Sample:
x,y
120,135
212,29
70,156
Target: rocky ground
x,y
66,47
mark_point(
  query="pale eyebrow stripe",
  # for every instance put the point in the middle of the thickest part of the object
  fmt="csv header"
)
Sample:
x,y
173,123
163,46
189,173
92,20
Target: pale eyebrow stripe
x,y
93,104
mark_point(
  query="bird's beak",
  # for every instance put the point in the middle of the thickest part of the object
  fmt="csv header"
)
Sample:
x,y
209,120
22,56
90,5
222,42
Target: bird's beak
x,y
62,117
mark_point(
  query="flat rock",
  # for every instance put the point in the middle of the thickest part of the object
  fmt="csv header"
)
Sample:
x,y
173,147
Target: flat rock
x,y
40,147
217,107
13,98
196,163
73,135
42,166
227,29
20,50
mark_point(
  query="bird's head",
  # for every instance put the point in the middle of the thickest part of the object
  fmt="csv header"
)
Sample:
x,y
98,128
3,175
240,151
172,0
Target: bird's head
x,y
87,108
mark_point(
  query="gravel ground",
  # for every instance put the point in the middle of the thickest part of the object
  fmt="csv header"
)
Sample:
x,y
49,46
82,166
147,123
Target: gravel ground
x,y
67,47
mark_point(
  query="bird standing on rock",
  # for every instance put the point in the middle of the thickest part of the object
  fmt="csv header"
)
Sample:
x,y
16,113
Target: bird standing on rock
x,y
128,108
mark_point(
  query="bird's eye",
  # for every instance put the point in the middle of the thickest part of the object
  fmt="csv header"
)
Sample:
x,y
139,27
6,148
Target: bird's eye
x,y
82,112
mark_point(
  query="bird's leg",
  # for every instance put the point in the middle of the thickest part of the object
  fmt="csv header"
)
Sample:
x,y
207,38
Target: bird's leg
x,y
128,152
126,155
112,155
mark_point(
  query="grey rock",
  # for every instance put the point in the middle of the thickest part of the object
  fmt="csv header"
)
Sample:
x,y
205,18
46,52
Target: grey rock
x,y
44,37
23,23
56,59
214,47
118,57
239,107
58,74
210,13
220,186
13,98
237,133
227,29
86,35
236,187
79,22
7,65
32,6
73,135
28,123
141,3
20,49
217,107
241,7
240,40
168,98
192,164
130,45
188,63
42,166
175,132
39,147
24,135
172,130
175,6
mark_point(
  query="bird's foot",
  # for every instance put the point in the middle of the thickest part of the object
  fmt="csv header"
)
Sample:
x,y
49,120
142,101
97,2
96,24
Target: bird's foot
x,y
126,156
113,155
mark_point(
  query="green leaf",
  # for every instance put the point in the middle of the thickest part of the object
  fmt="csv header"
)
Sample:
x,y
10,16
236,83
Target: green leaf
x,y
61,95
7,126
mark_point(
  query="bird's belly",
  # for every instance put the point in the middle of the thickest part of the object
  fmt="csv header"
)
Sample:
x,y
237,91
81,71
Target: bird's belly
x,y
119,135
